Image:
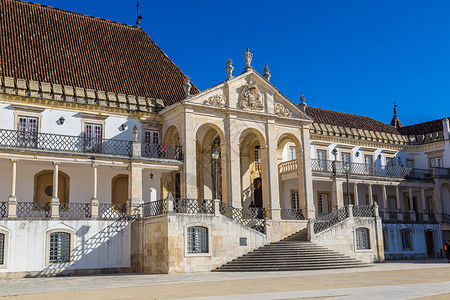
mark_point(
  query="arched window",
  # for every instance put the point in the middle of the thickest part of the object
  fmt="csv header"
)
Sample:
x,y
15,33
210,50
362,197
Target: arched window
x,y
2,249
406,239
59,247
197,239
362,238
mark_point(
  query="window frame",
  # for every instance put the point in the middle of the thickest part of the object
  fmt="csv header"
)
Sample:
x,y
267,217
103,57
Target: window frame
x,y
402,232
71,247
186,242
5,233
292,192
385,239
362,230
292,155
319,205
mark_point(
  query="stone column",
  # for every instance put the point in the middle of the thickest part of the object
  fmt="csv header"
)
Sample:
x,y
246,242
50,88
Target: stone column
x,y
308,192
369,187
397,200
337,193
12,200
411,204
385,203
189,176
94,199
134,189
437,201
424,204
233,160
54,205
355,193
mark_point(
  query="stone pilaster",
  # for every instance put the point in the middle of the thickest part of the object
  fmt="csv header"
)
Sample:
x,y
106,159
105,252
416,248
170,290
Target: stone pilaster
x,y
310,212
12,200
54,203
134,189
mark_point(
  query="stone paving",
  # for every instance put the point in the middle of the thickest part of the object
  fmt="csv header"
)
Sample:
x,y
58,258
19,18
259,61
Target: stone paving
x,y
400,280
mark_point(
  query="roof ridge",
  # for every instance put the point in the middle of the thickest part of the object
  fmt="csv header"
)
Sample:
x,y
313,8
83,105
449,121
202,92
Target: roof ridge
x,y
72,12
349,114
426,122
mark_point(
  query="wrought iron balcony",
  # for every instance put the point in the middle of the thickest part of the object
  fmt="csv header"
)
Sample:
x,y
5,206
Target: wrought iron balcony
x,y
337,167
441,172
49,142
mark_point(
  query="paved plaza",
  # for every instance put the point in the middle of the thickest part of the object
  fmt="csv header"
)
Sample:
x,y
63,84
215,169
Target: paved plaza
x,y
428,279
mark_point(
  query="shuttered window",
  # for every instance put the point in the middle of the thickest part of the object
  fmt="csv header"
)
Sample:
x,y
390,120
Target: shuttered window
x,y
197,239
2,248
362,238
59,247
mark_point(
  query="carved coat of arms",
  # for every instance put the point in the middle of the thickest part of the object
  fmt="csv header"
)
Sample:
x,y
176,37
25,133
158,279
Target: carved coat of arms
x,y
216,100
281,110
251,97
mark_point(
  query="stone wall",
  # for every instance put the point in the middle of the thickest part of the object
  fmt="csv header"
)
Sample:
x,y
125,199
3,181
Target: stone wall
x,y
341,238
164,247
280,229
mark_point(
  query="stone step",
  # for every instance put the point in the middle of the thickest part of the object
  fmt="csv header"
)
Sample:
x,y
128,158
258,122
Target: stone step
x,y
290,263
275,268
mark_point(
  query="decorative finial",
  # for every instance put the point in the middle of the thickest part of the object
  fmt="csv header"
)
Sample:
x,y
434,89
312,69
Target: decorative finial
x,y
187,86
395,108
248,60
229,68
266,73
395,121
135,132
302,103
138,16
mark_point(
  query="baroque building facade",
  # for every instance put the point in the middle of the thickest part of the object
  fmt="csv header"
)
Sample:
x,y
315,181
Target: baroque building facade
x,y
112,160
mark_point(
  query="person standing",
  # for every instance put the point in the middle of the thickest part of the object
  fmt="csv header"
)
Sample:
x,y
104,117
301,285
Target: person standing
x,y
447,250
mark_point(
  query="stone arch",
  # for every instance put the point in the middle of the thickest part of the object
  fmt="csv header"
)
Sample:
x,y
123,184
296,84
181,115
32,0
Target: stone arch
x,y
119,189
43,187
172,135
285,138
208,138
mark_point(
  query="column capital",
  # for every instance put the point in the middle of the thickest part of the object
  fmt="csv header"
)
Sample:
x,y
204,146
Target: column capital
x,y
13,160
56,163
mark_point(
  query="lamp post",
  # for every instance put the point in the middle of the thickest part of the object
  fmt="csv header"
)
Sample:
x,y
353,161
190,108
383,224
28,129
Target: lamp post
x,y
215,156
346,167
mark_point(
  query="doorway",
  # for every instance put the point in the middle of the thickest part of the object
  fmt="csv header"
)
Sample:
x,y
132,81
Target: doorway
x,y
257,192
429,238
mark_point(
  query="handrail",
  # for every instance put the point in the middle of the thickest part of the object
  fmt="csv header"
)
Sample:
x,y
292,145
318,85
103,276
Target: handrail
x,y
243,217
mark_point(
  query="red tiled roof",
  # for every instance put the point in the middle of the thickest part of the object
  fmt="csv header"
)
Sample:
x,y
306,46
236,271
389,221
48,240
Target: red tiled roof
x,y
331,117
51,45
422,128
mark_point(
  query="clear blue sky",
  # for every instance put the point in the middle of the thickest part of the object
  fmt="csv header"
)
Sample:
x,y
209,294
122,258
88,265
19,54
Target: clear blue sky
x,y
350,56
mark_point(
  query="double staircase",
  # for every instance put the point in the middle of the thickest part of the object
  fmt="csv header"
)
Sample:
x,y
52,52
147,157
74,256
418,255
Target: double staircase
x,y
293,253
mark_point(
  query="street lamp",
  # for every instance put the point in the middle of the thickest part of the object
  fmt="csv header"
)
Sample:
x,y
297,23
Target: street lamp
x,y
215,156
346,167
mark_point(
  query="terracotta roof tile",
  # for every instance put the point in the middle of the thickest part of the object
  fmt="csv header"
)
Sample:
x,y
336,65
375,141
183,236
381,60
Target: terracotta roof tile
x,y
51,45
422,128
331,117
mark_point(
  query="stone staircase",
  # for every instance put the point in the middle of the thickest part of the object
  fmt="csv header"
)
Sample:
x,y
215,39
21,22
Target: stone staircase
x,y
293,253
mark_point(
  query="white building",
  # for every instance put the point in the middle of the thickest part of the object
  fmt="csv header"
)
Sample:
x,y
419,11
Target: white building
x,y
111,159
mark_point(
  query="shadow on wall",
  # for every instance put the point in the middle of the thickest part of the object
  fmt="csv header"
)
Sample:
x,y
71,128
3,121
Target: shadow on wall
x,y
93,252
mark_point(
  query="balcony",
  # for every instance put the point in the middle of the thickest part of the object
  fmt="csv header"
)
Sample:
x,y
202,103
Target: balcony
x,y
336,167
66,144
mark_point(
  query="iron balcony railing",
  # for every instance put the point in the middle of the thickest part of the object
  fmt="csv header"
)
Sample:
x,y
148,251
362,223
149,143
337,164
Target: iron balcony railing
x,y
445,218
364,211
193,206
243,217
37,141
337,167
3,209
107,211
292,214
74,210
329,220
441,172
154,208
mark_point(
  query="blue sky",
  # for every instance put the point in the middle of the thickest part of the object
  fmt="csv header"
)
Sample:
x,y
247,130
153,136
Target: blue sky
x,y
350,56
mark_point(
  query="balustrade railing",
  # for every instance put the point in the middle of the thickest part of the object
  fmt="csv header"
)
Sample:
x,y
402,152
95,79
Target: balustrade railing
x,y
287,166
3,209
154,208
260,213
364,211
329,220
162,151
407,217
33,210
193,206
243,217
292,214
74,210
109,211
337,167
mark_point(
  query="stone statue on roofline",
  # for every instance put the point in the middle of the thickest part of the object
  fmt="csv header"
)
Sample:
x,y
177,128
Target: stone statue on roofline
x,y
248,60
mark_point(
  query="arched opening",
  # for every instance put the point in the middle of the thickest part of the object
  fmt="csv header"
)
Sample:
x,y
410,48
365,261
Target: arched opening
x,y
252,157
171,181
211,179
445,198
119,191
43,187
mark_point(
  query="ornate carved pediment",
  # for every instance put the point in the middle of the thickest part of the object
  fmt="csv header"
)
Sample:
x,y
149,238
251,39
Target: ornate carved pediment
x,y
251,97
216,100
281,110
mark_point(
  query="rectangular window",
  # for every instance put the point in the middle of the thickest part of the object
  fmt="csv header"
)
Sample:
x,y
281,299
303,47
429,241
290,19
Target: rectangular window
x,y
59,247
27,131
410,163
292,152
389,161
322,159
257,154
430,204
323,203
406,240
197,241
345,157
295,201
151,137
93,137
368,160
436,162
385,245
362,238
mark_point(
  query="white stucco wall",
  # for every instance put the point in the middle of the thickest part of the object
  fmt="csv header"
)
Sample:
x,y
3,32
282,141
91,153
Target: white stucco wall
x,y
96,245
